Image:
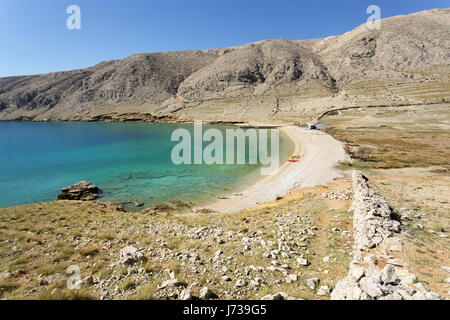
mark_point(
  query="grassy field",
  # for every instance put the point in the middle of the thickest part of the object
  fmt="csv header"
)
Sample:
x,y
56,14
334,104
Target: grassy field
x,y
39,242
388,148
399,137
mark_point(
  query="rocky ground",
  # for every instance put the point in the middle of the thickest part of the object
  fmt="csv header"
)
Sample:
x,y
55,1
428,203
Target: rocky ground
x,y
298,246
420,198
404,152
374,273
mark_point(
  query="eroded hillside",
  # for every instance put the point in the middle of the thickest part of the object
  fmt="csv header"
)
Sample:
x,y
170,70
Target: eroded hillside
x,y
406,61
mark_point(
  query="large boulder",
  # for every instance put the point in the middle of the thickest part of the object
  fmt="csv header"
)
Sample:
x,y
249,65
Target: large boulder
x,y
83,190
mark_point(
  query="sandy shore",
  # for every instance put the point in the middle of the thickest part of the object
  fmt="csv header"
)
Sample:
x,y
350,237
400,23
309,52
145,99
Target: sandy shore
x,y
320,153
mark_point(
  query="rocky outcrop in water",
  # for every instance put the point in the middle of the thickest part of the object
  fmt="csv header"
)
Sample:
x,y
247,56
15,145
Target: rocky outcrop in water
x,y
82,190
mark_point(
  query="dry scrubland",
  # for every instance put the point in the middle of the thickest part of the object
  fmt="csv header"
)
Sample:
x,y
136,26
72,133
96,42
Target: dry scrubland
x,y
405,152
38,242
395,137
386,93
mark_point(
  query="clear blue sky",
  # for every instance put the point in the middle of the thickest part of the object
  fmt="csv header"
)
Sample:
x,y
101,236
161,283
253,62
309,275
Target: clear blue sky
x,y
34,38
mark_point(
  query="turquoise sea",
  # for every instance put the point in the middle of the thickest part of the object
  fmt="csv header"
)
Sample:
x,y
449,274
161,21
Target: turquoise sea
x,y
128,161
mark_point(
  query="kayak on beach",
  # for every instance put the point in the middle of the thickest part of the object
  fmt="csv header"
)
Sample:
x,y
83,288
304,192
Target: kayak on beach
x,y
294,158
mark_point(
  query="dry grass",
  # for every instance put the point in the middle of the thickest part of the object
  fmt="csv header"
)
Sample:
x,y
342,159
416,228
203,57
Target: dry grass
x,y
383,149
406,155
29,244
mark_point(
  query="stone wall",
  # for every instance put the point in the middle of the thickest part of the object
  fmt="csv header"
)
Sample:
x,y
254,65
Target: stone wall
x,y
376,234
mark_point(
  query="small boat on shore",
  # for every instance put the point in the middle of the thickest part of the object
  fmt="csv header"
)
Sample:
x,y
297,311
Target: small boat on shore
x,y
294,158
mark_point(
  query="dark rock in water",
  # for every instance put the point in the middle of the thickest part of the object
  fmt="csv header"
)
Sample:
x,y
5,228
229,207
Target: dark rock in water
x,y
82,190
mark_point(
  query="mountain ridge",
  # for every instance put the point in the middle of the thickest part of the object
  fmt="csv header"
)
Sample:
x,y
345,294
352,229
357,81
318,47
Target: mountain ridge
x,y
268,80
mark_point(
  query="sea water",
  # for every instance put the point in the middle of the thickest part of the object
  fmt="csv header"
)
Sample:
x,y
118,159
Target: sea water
x,y
127,161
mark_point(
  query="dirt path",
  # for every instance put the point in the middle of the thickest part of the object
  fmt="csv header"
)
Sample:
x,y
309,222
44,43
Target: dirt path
x,y
320,152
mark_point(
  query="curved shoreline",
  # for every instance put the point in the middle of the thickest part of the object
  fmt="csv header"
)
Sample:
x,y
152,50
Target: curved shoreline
x,y
320,153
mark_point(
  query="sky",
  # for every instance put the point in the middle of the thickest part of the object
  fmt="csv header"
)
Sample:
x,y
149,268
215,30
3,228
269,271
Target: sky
x,y
34,37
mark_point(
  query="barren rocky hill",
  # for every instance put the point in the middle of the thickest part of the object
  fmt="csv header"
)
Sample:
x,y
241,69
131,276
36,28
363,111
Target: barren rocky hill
x,y
406,61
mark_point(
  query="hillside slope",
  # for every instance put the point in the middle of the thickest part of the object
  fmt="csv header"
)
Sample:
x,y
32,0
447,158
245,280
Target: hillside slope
x,y
407,61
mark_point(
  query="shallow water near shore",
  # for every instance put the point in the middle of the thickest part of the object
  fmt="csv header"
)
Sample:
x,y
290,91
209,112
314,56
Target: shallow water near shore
x,y
128,161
